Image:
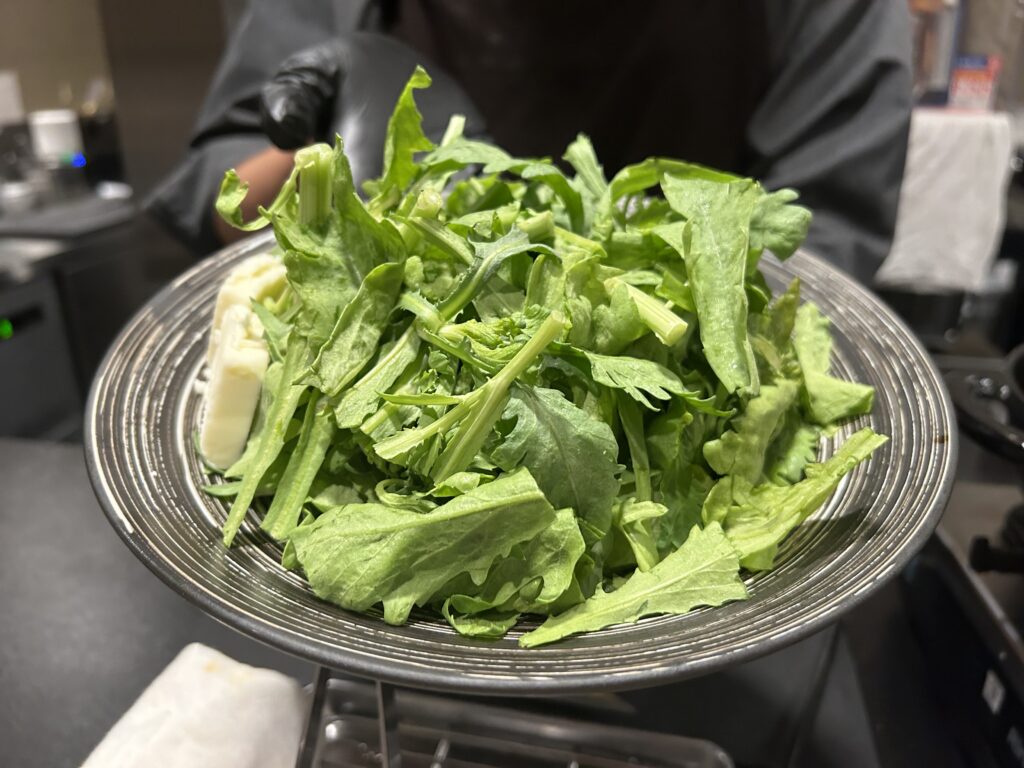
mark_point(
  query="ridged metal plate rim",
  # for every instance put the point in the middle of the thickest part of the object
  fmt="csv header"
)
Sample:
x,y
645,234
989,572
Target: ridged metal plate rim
x,y
143,409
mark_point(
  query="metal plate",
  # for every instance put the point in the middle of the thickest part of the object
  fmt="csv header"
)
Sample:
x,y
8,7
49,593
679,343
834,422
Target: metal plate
x,y
143,410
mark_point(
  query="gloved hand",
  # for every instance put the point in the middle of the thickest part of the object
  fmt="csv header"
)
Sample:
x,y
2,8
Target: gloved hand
x,y
349,87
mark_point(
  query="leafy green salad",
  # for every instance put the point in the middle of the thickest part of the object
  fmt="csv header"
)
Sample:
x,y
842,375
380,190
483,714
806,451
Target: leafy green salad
x,y
492,389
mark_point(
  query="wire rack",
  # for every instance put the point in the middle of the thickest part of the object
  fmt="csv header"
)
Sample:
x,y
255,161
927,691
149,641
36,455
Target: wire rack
x,y
359,724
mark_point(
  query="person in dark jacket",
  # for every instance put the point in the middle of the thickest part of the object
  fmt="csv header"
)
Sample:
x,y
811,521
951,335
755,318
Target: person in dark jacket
x,y
809,94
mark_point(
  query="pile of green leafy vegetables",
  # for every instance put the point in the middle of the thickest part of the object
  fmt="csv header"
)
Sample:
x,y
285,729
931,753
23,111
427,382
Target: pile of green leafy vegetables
x,y
498,389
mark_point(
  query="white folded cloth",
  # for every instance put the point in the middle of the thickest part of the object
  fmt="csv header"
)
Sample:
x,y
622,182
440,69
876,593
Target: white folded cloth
x,y
952,202
206,709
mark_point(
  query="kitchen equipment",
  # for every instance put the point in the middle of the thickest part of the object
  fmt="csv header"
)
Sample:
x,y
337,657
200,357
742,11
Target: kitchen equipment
x,y
432,730
970,638
55,135
17,197
39,395
989,401
57,146
965,593
143,411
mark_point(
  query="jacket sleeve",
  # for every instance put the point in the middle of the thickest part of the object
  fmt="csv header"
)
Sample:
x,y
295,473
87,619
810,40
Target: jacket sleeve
x,y
834,122
227,130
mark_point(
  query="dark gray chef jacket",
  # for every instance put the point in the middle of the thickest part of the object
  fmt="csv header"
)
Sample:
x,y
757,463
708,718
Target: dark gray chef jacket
x,y
809,94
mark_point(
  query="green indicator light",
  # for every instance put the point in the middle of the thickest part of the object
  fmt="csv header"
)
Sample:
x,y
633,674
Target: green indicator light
x,y
6,329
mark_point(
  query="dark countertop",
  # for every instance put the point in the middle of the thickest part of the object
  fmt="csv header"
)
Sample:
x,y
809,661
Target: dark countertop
x,y
86,627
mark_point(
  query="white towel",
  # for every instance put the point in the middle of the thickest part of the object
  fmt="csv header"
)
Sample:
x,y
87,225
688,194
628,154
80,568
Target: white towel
x,y
952,203
206,709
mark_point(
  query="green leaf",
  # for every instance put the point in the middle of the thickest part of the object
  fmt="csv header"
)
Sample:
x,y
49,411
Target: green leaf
x,y
403,140
676,288
633,426
486,261
271,387
270,440
580,155
448,242
635,376
229,201
652,171
488,624
759,519
704,571
794,448
635,520
780,317
357,332
546,284
778,225
616,324
476,415
462,152
332,496
288,558
361,399
674,442
458,484
741,451
395,492
275,331
572,454
326,267
293,487
534,577
715,252
233,192
363,554
829,399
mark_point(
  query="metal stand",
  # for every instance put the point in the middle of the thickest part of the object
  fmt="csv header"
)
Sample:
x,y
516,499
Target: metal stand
x,y
356,723
311,736
387,722
390,754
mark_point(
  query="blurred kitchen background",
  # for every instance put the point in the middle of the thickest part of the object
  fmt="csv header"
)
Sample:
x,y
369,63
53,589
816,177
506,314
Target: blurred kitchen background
x,y
97,101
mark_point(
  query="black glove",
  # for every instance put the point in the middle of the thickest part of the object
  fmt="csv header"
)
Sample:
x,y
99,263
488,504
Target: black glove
x,y
349,87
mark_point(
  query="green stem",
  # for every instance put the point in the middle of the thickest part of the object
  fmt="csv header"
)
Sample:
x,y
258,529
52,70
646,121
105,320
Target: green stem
x,y
548,332
408,439
316,171
438,235
401,384
663,322
426,313
476,413
540,227
454,350
473,431
456,124
487,262
633,426
428,204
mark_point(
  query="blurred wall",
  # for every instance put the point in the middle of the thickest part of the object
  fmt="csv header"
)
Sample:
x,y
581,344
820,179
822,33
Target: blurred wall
x,y
162,56
55,46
